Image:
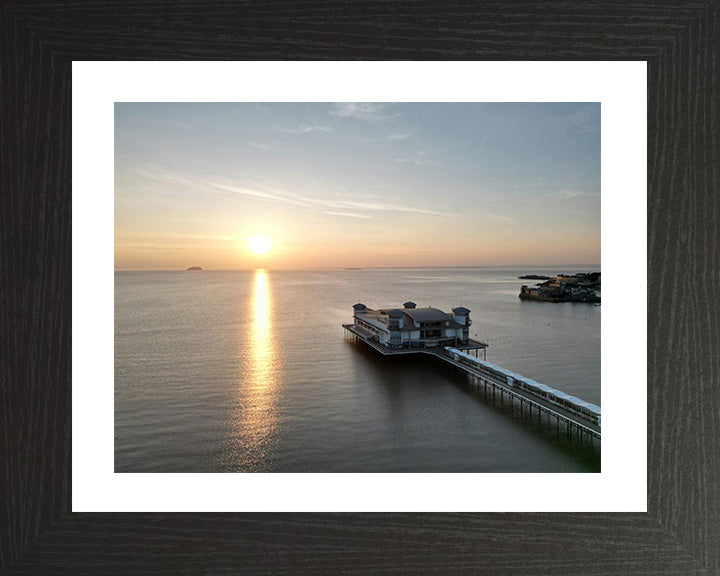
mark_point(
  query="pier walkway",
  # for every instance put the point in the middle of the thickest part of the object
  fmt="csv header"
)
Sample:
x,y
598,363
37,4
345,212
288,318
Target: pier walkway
x,y
572,424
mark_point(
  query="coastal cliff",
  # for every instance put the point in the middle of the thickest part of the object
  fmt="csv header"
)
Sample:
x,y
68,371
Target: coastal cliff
x,y
576,288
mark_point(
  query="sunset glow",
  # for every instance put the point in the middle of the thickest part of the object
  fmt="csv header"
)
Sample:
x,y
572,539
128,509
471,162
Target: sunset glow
x,y
371,184
259,244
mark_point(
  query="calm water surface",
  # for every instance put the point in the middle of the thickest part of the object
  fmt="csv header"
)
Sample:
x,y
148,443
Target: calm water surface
x,y
250,371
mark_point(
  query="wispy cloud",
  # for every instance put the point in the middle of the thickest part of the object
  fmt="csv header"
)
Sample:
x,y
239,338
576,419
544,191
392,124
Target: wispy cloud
x,y
498,217
569,194
380,206
306,129
345,207
418,159
368,111
168,178
260,145
483,213
165,235
280,196
348,214
399,136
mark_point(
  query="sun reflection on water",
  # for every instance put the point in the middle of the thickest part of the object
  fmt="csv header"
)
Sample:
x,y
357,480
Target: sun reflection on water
x,y
255,419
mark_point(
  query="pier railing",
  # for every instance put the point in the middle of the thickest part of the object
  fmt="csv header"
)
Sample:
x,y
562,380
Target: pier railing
x,y
571,421
574,425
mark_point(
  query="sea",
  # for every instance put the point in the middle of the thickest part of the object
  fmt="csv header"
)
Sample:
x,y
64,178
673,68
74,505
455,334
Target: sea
x,y
252,371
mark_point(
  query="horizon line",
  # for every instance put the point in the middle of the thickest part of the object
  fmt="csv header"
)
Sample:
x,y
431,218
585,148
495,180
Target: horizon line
x,y
357,268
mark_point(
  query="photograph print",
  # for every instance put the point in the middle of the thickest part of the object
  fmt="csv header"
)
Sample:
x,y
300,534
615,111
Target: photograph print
x,y
357,287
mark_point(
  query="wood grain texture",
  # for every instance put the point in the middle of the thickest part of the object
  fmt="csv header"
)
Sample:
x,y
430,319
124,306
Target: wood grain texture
x,y
680,534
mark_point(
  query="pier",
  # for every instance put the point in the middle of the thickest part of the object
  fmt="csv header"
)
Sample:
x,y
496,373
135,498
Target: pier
x,y
506,385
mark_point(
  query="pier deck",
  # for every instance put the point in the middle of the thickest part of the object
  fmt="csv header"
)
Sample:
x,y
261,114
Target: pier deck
x,y
533,401
385,351
569,419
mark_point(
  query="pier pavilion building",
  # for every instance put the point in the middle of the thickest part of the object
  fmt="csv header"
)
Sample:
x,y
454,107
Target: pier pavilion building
x,y
411,327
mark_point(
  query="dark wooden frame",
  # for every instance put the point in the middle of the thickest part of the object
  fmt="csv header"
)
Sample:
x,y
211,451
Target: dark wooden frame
x,y
680,533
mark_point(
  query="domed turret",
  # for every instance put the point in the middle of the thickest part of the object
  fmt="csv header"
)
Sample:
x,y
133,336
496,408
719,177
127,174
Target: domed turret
x,y
461,315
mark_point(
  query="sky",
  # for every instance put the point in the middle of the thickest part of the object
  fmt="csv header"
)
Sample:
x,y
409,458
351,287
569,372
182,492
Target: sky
x,y
336,185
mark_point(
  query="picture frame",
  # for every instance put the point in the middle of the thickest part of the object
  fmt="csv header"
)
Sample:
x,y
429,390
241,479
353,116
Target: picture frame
x,y
38,532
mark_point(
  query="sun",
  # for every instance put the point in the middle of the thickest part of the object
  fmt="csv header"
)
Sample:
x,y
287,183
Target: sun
x,y
259,244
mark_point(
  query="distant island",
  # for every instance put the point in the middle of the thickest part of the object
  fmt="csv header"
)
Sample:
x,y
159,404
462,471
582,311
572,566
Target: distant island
x,y
564,288
194,268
